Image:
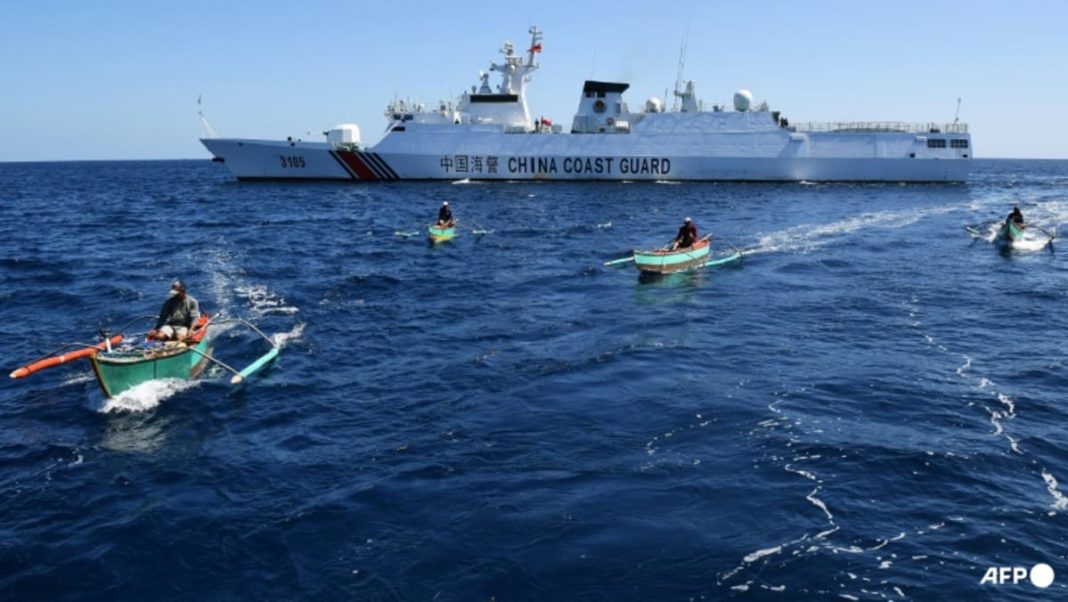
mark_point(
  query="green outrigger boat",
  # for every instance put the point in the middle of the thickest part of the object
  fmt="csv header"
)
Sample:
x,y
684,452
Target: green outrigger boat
x,y
438,234
666,262
119,368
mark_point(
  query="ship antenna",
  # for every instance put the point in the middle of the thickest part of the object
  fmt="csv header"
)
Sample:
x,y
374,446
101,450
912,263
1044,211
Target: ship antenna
x,y
682,64
956,116
209,132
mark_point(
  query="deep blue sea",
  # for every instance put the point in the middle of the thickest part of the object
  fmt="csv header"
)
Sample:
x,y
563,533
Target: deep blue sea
x,y
871,406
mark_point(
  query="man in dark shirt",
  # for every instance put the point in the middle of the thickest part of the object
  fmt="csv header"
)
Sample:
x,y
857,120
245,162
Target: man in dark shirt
x,y
686,237
177,316
445,216
1016,217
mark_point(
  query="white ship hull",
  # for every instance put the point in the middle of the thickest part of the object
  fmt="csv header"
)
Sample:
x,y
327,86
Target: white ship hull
x,y
499,156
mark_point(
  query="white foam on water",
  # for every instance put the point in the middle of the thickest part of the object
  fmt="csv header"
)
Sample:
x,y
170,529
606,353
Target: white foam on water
x,y
740,588
264,301
819,504
604,226
671,182
1059,501
463,181
753,557
812,237
282,339
78,378
145,396
1007,402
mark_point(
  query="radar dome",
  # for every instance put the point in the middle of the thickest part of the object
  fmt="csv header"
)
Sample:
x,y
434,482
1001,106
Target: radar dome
x,y
653,105
344,134
743,99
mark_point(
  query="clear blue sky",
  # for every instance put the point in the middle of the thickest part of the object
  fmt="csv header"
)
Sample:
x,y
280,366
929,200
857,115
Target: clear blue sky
x,y
119,80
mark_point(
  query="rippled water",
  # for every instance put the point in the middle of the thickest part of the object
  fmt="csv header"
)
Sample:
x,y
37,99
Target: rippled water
x,y
870,406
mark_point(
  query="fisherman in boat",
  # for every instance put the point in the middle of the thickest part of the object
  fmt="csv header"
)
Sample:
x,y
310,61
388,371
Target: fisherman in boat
x,y
177,316
445,216
686,237
1015,217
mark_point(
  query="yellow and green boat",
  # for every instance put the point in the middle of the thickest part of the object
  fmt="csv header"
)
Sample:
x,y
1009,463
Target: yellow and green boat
x,y
438,234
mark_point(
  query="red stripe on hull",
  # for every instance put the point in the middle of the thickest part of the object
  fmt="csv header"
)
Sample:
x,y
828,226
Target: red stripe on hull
x,y
357,165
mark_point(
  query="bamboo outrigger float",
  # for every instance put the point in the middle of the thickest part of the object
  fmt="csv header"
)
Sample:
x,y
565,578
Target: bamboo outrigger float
x,y
138,360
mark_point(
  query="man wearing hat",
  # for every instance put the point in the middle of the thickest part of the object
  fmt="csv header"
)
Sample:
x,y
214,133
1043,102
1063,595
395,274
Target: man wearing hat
x,y
445,216
686,237
177,316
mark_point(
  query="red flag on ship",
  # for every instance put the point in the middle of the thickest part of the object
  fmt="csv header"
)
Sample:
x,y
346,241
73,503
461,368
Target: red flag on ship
x,y
536,47
546,121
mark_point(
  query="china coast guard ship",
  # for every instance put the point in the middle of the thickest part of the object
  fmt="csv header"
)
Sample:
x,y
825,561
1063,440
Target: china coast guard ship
x,y
489,134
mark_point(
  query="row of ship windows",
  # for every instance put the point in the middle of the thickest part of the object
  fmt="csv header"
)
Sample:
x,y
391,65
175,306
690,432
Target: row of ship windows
x,y
941,143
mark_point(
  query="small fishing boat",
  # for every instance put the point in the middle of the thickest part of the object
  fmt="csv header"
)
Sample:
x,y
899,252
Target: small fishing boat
x,y
119,368
1009,234
663,261
438,234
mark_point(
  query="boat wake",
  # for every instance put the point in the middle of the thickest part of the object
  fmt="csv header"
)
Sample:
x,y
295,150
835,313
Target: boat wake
x,y
807,238
144,397
264,301
282,339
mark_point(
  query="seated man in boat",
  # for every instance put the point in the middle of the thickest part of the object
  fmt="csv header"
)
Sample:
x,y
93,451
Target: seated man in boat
x,y
1016,217
177,316
445,216
686,237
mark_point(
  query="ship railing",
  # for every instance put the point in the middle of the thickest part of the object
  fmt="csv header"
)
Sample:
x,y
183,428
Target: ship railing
x,y
880,126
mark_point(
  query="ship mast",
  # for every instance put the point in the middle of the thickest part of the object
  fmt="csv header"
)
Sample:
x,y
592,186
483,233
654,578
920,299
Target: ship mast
x,y
514,72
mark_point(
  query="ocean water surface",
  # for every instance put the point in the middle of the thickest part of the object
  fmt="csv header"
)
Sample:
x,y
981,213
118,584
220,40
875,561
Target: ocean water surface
x,y
871,406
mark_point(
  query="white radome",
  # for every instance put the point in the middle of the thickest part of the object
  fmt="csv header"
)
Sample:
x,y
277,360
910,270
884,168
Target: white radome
x,y
743,99
654,105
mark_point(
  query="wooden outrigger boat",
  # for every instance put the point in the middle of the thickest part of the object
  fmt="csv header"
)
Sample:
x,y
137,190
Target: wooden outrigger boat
x,y
120,368
438,234
663,261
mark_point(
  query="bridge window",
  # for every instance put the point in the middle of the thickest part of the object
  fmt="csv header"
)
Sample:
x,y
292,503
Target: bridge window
x,y
958,143
936,143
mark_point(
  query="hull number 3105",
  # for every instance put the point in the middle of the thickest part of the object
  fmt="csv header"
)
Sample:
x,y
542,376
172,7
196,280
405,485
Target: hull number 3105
x,y
290,162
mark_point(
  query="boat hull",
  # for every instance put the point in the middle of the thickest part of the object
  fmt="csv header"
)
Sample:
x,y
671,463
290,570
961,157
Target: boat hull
x,y
118,371
1009,234
667,262
439,235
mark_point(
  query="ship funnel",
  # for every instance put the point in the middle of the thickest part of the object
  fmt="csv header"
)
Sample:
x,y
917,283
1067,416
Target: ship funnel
x,y
743,99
